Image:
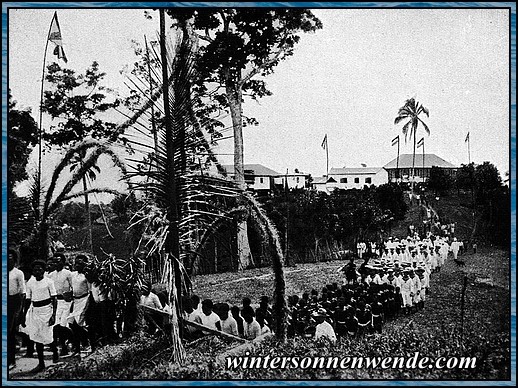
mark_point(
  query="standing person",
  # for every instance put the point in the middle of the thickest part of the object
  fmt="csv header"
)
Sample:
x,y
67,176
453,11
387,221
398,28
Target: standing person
x,y
62,278
407,292
15,300
81,295
40,312
455,247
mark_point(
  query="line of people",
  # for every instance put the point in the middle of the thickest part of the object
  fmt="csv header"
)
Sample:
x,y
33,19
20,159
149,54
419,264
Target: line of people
x,y
57,307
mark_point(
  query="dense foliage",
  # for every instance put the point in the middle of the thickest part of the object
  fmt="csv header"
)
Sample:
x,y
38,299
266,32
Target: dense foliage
x,y
317,221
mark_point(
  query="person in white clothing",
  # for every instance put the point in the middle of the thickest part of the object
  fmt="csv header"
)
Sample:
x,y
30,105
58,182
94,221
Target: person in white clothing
x,y
62,278
208,317
455,246
407,292
149,299
40,312
251,328
323,328
17,291
228,323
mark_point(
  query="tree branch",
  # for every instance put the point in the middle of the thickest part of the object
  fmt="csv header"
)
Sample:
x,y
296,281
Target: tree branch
x,y
258,69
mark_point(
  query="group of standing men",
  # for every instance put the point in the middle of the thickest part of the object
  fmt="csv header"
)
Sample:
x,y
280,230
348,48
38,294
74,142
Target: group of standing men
x,y
50,308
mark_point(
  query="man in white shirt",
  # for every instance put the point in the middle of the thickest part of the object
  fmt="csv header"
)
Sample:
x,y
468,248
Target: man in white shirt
x,y
81,293
323,328
40,312
15,300
62,278
228,323
251,327
407,292
150,299
208,317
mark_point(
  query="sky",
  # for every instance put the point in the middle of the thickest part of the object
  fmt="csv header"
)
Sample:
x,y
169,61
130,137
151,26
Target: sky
x,y
347,80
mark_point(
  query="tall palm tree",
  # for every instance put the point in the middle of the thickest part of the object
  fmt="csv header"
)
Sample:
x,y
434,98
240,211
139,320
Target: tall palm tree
x,y
411,111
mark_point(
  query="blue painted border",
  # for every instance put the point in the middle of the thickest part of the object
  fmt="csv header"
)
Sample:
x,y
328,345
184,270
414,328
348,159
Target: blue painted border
x,y
512,5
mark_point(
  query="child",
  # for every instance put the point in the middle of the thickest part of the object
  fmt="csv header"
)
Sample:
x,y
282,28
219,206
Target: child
x,y
228,323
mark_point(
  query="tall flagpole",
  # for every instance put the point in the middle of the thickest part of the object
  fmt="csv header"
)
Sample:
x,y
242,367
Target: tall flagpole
x,y
423,159
327,158
469,151
397,163
40,130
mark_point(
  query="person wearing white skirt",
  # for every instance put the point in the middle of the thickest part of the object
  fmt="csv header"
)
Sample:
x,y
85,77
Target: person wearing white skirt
x,y
40,311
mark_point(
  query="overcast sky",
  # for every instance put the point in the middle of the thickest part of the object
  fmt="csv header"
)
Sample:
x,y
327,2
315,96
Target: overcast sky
x,y
347,81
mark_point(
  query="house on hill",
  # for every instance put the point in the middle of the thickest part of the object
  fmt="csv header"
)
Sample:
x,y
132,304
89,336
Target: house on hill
x,y
323,184
257,177
295,180
422,170
357,178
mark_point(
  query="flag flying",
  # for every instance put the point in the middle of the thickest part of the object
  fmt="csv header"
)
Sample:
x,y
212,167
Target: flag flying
x,y
420,143
55,37
395,140
324,142
467,138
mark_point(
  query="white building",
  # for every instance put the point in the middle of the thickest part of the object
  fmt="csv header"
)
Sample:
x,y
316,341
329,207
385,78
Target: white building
x,y
257,176
357,178
296,180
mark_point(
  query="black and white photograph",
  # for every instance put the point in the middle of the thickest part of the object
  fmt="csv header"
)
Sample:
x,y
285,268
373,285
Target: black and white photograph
x,y
258,192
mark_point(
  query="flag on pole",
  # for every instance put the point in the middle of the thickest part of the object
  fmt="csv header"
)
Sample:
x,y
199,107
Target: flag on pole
x,y
395,140
420,143
55,37
467,138
324,142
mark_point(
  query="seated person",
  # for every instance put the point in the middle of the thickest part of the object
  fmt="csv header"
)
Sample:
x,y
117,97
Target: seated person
x,y
208,317
228,323
251,327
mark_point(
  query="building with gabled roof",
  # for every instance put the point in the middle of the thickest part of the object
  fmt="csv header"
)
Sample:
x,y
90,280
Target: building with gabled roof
x,y
357,177
422,170
257,176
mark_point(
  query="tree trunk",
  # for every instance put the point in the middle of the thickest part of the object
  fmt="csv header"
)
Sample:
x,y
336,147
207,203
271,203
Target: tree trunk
x,y
234,95
88,217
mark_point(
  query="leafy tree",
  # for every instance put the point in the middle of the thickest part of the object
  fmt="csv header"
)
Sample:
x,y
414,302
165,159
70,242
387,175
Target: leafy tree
x,y
465,178
440,181
242,44
410,112
390,197
22,134
488,181
76,101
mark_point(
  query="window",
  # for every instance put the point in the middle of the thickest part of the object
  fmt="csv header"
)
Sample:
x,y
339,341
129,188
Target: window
x,y
343,180
297,179
368,180
261,180
356,180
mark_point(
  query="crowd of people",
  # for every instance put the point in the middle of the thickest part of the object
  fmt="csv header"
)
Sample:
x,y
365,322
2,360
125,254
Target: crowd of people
x,y
62,306
59,307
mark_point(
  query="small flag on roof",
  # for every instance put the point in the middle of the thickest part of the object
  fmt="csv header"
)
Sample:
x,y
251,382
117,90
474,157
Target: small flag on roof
x,y
420,143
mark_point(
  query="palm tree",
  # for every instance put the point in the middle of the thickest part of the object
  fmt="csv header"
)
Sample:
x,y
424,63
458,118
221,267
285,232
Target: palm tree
x,y
185,206
411,111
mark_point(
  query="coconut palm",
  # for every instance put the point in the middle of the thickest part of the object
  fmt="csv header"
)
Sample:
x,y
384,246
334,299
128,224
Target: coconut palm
x,y
51,200
411,111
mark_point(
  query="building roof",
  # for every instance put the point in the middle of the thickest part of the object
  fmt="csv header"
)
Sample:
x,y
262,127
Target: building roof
x,y
258,170
320,180
354,171
430,160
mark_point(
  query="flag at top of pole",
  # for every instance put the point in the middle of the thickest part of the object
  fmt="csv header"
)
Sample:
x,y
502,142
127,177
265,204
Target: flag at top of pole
x,y
467,138
420,143
324,142
55,37
395,140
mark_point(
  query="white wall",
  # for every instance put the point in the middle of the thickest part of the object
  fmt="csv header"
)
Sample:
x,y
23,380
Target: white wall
x,y
262,183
